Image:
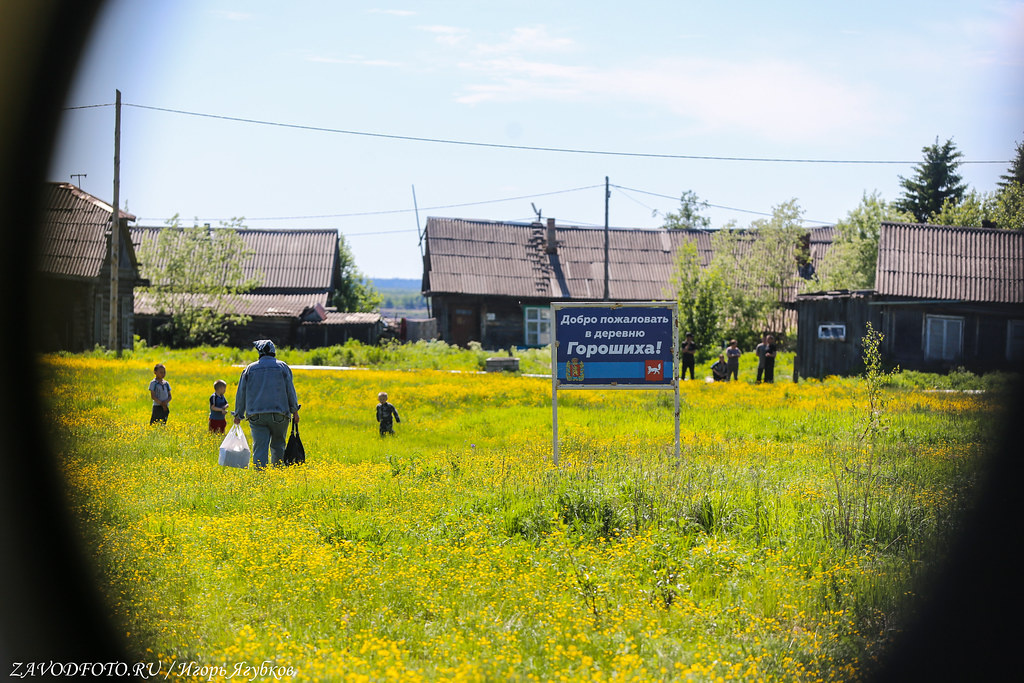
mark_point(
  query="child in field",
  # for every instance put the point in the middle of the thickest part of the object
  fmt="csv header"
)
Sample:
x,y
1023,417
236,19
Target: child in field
x,y
385,412
218,407
160,392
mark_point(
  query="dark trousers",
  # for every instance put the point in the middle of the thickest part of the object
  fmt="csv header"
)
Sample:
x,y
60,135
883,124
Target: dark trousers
x,y
160,414
687,363
769,370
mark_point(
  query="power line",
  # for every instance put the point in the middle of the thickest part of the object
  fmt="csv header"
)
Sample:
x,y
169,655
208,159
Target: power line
x,y
393,211
528,148
716,206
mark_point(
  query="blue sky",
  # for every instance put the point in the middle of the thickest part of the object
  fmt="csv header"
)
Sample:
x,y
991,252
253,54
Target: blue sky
x,y
872,81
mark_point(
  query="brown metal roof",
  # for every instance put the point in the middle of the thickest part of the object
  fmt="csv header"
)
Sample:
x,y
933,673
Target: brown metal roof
x,y
284,260
74,231
943,262
253,305
510,259
348,318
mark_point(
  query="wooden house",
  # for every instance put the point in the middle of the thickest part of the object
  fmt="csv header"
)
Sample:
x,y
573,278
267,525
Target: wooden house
x,y
298,272
74,271
493,282
944,297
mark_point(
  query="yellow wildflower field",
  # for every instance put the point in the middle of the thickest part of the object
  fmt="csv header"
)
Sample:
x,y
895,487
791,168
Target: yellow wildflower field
x,y
456,551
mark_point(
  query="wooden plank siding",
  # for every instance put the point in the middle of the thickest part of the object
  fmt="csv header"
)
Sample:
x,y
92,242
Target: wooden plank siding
x,y
481,276
73,271
945,297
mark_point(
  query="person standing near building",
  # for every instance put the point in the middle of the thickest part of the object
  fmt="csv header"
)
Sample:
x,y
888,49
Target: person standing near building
x,y
769,359
266,396
759,352
688,348
732,360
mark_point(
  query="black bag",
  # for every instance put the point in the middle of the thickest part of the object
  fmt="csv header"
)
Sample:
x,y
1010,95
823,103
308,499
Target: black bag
x,y
294,453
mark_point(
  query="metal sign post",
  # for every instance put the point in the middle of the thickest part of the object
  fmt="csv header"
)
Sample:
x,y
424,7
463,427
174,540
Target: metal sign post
x,y
631,345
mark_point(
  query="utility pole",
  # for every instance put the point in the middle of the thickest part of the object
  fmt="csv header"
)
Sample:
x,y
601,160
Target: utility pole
x,y
113,338
607,194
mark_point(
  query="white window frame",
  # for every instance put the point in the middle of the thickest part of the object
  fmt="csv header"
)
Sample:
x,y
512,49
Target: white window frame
x,y
1015,340
951,345
832,332
537,325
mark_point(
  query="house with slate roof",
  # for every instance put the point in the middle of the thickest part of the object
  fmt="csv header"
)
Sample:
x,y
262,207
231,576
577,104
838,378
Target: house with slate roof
x,y
493,282
944,297
74,271
298,272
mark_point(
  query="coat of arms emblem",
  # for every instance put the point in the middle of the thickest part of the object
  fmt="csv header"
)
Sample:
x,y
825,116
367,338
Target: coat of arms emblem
x,y
574,370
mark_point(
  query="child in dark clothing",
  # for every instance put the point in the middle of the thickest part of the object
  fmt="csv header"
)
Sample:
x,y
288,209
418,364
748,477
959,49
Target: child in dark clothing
x,y
385,412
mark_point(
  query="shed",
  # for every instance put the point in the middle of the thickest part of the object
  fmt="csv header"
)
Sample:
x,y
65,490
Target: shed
x,y
74,271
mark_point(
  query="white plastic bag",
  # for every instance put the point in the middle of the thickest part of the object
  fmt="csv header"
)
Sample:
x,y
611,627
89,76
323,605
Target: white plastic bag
x,y
234,449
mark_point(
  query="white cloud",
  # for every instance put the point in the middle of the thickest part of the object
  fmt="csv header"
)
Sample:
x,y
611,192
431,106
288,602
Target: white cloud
x,y
528,39
358,60
773,98
393,12
446,35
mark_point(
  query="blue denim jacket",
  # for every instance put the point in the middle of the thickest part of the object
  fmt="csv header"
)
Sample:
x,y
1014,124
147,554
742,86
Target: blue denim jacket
x,y
266,386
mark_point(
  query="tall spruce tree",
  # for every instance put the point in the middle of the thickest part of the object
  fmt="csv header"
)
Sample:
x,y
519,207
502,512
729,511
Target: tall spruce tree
x,y
1014,174
935,180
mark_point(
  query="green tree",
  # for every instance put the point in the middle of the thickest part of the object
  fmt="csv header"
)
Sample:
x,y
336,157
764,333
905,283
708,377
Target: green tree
x,y
686,283
851,260
196,273
934,182
1003,208
698,293
1014,174
742,306
355,292
689,215
1008,212
776,252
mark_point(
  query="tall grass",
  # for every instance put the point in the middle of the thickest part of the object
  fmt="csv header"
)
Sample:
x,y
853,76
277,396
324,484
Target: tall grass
x,y
456,551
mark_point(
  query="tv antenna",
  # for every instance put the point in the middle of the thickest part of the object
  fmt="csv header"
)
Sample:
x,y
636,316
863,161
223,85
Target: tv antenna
x,y
536,211
79,175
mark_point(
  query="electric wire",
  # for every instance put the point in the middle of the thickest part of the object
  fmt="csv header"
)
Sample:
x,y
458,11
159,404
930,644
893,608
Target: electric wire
x,y
528,148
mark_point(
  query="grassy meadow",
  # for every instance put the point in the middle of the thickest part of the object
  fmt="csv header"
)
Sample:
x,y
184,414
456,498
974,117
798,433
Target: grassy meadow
x,y
783,545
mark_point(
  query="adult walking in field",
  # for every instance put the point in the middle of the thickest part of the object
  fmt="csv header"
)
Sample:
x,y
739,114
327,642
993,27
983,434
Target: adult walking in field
x,y
759,352
769,359
266,396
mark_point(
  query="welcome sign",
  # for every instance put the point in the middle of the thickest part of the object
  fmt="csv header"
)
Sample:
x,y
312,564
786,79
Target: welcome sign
x,y
613,346
625,346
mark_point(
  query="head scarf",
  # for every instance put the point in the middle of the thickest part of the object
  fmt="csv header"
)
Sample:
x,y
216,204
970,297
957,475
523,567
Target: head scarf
x,y
265,347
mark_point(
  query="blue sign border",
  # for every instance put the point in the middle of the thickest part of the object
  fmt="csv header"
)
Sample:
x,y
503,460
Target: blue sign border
x,y
614,345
